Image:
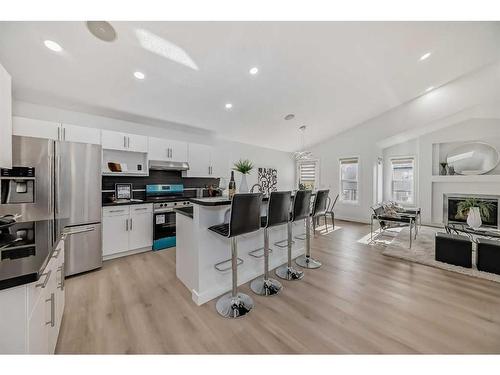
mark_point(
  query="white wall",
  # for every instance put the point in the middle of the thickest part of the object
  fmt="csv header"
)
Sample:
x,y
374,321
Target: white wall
x,y
230,151
476,94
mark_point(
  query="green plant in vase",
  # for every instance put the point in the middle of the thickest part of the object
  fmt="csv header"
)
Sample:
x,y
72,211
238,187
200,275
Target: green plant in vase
x,y
474,210
244,167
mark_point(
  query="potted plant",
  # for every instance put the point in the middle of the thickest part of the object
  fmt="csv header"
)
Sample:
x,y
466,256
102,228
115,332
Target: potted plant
x,y
244,167
474,209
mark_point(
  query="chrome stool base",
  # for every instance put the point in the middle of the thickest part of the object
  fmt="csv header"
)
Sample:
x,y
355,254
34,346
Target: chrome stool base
x,y
307,262
289,273
269,287
234,307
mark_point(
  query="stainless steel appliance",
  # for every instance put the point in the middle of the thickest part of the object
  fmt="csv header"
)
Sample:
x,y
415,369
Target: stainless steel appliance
x,y
17,185
165,198
67,188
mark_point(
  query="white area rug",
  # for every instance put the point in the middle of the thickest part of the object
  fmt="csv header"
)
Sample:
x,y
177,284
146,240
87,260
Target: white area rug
x,y
422,251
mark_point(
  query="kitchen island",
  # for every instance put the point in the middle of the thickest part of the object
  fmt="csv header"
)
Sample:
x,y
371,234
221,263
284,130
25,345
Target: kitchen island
x,y
199,250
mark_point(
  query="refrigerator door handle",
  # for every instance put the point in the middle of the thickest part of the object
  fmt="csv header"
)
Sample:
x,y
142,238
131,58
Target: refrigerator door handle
x,y
51,187
56,185
69,232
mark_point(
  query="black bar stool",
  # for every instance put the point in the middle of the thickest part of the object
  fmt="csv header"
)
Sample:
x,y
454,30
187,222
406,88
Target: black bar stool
x,y
245,218
319,209
300,211
278,213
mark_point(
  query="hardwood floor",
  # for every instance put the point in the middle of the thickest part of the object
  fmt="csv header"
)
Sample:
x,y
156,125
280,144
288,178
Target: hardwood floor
x,y
359,301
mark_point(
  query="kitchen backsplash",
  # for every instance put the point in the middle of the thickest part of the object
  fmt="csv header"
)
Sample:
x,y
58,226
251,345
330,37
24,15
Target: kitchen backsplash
x,y
155,177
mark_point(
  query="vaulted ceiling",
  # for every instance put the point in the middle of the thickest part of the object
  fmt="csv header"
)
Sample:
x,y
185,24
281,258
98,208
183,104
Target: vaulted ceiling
x,y
331,75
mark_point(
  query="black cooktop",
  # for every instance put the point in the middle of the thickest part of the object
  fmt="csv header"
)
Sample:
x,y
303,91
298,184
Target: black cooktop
x,y
25,249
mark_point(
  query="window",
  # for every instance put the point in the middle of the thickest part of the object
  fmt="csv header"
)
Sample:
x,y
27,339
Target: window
x,y
403,183
349,180
307,174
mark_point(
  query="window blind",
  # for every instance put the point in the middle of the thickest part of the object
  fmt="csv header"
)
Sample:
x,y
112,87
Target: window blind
x,y
307,171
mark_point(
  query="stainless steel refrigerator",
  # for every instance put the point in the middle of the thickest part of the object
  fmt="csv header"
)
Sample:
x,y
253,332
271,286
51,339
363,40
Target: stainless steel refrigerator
x,y
66,188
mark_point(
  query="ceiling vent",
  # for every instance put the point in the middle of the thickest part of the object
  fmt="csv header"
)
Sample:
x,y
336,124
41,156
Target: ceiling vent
x,y
102,30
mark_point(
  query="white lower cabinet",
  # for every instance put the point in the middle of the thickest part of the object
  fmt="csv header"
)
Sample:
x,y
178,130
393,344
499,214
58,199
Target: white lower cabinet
x,y
126,229
32,313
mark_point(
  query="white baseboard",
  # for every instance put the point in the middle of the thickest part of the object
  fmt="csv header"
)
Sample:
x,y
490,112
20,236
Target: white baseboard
x,y
126,253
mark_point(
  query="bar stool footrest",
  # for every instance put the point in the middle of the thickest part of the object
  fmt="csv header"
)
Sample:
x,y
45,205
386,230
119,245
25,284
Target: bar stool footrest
x,y
282,243
218,267
255,253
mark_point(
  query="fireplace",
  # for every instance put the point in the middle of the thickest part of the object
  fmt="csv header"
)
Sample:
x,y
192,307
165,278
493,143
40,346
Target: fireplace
x,y
451,202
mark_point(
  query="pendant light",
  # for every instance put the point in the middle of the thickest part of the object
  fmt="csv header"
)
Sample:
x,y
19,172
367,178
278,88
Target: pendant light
x,y
302,154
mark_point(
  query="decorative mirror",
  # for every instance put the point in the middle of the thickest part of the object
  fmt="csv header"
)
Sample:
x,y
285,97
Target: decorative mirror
x,y
473,158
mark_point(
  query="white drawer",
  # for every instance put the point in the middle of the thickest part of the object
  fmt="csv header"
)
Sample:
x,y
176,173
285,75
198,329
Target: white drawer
x,y
141,208
115,211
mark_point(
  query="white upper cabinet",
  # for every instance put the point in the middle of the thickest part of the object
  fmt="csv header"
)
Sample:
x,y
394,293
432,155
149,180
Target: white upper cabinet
x,y
167,150
5,119
199,160
220,164
82,134
137,143
28,127
206,161
178,151
158,148
124,142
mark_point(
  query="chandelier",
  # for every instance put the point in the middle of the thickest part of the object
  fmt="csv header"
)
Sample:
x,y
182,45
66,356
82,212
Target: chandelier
x,y
302,154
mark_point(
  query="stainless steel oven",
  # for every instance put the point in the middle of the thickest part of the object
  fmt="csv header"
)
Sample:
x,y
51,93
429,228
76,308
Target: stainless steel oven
x,y
165,198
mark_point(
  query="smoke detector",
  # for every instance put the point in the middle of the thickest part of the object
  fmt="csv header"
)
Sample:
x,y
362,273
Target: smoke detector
x,y
102,30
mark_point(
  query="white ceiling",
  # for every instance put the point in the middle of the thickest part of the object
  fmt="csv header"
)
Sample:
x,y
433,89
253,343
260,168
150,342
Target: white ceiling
x,y
331,75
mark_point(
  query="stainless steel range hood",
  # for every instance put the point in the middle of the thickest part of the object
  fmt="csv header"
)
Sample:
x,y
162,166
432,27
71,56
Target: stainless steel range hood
x,y
161,165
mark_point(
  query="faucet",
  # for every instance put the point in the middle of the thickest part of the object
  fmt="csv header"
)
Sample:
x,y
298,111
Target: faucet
x,y
259,186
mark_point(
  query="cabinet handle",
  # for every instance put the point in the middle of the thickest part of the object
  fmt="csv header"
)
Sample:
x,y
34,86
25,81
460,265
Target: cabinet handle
x,y
116,211
126,224
61,269
130,223
124,142
47,277
140,209
128,142
58,133
52,300
64,133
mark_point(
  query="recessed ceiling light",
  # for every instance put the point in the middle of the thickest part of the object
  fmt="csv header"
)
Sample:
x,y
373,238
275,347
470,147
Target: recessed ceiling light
x,y
228,106
429,88
290,116
139,75
425,56
53,46
102,30
253,71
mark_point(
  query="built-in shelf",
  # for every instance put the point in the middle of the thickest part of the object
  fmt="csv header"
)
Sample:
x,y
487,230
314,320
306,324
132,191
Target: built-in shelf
x,y
472,178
